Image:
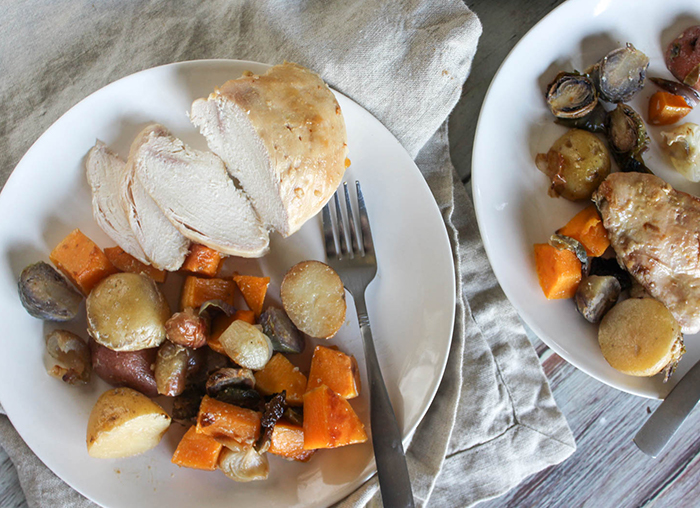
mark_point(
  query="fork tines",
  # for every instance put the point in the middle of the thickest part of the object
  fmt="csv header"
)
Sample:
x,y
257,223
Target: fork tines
x,y
343,232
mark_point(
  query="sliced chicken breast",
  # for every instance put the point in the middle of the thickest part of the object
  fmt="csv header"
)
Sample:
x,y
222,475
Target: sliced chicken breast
x,y
196,194
163,244
105,172
282,135
655,232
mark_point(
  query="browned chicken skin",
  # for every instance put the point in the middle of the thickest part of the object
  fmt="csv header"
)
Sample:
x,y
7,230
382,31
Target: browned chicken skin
x,y
655,232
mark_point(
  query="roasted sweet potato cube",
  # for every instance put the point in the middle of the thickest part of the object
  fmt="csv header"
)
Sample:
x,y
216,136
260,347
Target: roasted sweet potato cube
x,y
197,451
330,421
336,370
125,262
197,290
224,421
288,442
280,374
81,261
202,260
245,315
254,290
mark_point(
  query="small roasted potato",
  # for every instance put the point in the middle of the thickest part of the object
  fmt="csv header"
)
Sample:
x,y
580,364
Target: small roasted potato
x,y
576,164
172,364
127,312
71,357
123,423
640,337
279,328
314,298
134,369
246,345
243,464
187,329
46,294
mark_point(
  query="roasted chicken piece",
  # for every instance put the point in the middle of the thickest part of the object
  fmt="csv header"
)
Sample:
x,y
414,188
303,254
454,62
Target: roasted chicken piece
x,y
655,232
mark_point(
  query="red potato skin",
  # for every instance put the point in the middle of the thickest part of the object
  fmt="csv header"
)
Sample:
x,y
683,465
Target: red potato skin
x,y
683,57
133,369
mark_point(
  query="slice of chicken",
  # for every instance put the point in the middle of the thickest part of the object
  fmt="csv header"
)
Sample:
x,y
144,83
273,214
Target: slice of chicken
x,y
655,232
196,194
163,244
105,171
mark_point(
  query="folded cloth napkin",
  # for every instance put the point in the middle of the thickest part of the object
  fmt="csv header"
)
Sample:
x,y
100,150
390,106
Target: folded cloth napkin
x,y
493,421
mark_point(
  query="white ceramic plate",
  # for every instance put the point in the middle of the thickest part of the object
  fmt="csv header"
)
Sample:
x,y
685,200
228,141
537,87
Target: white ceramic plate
x,y
411,302
510,194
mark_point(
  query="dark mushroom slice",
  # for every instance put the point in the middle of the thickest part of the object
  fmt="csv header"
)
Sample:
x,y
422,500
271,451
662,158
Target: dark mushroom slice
x,y
285,337
274,410
592,122
212,308
566,242
628,138
46,294
596,294
620,74
229,377
71,356
241,397
571,95
690,95
186,405
610,266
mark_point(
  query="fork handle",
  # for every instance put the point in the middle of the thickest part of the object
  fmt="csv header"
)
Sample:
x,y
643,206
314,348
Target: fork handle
x,y
394,482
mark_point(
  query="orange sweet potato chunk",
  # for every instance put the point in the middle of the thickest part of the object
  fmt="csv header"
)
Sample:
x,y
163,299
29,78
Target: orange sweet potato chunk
x,y
559,271
587,227
197,290
81,261
288,442
223,421
280,374
336,370
202,260
245,315
254,290
197,451
125,262
218,326
330,421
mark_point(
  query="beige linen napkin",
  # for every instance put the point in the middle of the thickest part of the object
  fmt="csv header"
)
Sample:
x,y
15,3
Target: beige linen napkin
x,y
493,421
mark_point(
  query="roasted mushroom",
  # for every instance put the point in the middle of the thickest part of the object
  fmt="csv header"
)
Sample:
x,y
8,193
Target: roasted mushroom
x,y
274,410
186,405
47,295
241,397
596,295
610,266
72,357
212,308
285,337
628,138
228,377
571,95
620,74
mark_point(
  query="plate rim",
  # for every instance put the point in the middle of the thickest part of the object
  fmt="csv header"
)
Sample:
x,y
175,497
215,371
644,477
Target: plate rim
x,y
10,184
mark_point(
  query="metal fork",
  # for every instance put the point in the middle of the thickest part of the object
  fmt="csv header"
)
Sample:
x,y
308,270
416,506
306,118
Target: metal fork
x,y
356,264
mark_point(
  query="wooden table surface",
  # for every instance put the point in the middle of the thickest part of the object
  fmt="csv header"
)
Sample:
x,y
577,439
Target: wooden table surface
x,y
607,470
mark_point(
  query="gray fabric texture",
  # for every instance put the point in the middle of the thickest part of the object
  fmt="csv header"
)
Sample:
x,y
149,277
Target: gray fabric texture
x,y
493,421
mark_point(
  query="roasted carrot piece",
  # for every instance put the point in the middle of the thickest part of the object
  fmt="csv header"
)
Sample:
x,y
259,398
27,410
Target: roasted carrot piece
x,y
666,108
330,421
587,227
218,326
288,442
125,262
202,260
197,290
254,290
197,451
336,370
280,374
82,261
224,421
559,271
245,315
